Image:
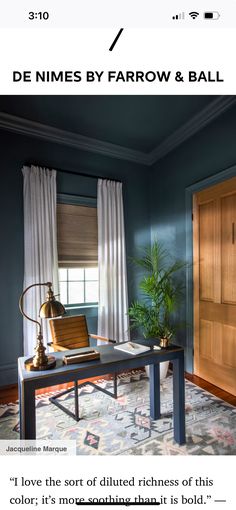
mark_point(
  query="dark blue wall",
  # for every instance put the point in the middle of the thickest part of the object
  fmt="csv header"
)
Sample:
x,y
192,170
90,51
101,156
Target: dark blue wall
x,y
17,150
207,153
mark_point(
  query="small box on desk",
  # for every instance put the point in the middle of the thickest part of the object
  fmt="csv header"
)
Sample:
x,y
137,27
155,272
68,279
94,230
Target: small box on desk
x,y
89,355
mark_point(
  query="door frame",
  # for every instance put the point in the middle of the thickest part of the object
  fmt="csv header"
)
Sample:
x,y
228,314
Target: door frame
x,y
189,192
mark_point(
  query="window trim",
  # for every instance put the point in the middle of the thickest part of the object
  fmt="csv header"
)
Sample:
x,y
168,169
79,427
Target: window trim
x,y
74,306
66,198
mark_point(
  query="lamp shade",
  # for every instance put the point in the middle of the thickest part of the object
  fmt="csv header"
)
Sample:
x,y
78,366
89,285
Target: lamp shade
x,y
51,309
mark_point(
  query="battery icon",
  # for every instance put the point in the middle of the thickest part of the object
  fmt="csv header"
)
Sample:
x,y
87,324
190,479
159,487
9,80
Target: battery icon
x,y
211,15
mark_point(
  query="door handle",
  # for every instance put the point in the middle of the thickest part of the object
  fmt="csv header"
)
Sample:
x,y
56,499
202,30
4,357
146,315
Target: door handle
x,y
233,236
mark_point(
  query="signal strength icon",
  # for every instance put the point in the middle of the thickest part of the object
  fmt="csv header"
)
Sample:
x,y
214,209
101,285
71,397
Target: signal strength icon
x,y
181,15
194,14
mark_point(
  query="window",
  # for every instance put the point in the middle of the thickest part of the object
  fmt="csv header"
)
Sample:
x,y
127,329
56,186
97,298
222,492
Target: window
x,y
77,253
78,285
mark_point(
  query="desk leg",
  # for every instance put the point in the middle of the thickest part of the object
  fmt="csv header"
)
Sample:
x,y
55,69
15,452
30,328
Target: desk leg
x,y
27,410
179,399
154,378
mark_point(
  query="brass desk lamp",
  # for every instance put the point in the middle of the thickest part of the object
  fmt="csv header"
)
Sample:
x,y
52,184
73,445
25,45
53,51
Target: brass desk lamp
x,y
51,308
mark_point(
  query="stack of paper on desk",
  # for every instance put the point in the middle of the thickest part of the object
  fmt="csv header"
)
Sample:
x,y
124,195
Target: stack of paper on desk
x,y
132,348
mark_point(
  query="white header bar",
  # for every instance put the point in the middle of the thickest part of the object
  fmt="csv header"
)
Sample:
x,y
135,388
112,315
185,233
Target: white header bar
x,y
142,62
113,13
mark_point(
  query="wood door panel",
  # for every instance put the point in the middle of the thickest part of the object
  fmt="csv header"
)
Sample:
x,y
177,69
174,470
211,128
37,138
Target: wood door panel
x,y
224,313
206,339
228,248
214,248
206,251
229,346
210,341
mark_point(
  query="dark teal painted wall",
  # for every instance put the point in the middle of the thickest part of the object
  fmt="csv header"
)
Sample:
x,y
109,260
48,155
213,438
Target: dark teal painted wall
x,y
160,190
209,152
18,150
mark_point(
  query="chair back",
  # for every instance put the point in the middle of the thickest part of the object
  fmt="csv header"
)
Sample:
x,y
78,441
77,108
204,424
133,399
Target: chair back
x,y
69,332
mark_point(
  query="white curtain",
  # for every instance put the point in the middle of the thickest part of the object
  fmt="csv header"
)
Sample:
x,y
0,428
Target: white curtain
x,y
113,296
40,246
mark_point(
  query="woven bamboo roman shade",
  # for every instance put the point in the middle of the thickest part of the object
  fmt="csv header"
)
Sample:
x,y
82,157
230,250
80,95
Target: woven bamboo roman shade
x,y
77,237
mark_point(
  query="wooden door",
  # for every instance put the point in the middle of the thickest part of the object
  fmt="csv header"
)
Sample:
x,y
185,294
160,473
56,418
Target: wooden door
x,y
214,247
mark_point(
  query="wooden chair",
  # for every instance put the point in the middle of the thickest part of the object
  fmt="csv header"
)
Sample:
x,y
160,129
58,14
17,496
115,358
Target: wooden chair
x,y
72,333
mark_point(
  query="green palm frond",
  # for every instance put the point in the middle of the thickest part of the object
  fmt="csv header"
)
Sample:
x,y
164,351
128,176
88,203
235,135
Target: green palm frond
x,y
162,292
153,258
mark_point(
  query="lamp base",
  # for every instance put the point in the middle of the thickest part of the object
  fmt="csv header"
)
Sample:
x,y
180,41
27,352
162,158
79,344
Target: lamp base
x,y
51,363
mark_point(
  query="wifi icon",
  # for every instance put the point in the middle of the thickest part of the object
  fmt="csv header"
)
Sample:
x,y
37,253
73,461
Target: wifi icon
x,y
194,14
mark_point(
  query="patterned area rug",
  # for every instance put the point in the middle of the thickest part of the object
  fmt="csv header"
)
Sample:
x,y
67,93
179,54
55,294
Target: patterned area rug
x,y
124,427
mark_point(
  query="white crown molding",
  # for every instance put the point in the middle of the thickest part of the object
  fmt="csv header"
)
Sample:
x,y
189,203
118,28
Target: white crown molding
x,y
50,134
191,127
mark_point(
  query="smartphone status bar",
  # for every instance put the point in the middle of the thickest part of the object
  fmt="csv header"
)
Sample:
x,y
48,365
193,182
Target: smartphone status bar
x,y
50,14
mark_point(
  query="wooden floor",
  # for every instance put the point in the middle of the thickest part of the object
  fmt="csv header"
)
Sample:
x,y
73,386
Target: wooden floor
x,y
218,392
9,393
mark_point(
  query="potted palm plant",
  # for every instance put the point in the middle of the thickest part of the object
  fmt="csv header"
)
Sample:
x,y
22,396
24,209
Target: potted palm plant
x,y
162,295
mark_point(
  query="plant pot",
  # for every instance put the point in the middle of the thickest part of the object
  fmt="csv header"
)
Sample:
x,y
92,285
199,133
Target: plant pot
x,y
163,369
164,342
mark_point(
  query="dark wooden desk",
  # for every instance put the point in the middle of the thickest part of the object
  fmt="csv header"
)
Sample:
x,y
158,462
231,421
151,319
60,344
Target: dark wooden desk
x,y
111,360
